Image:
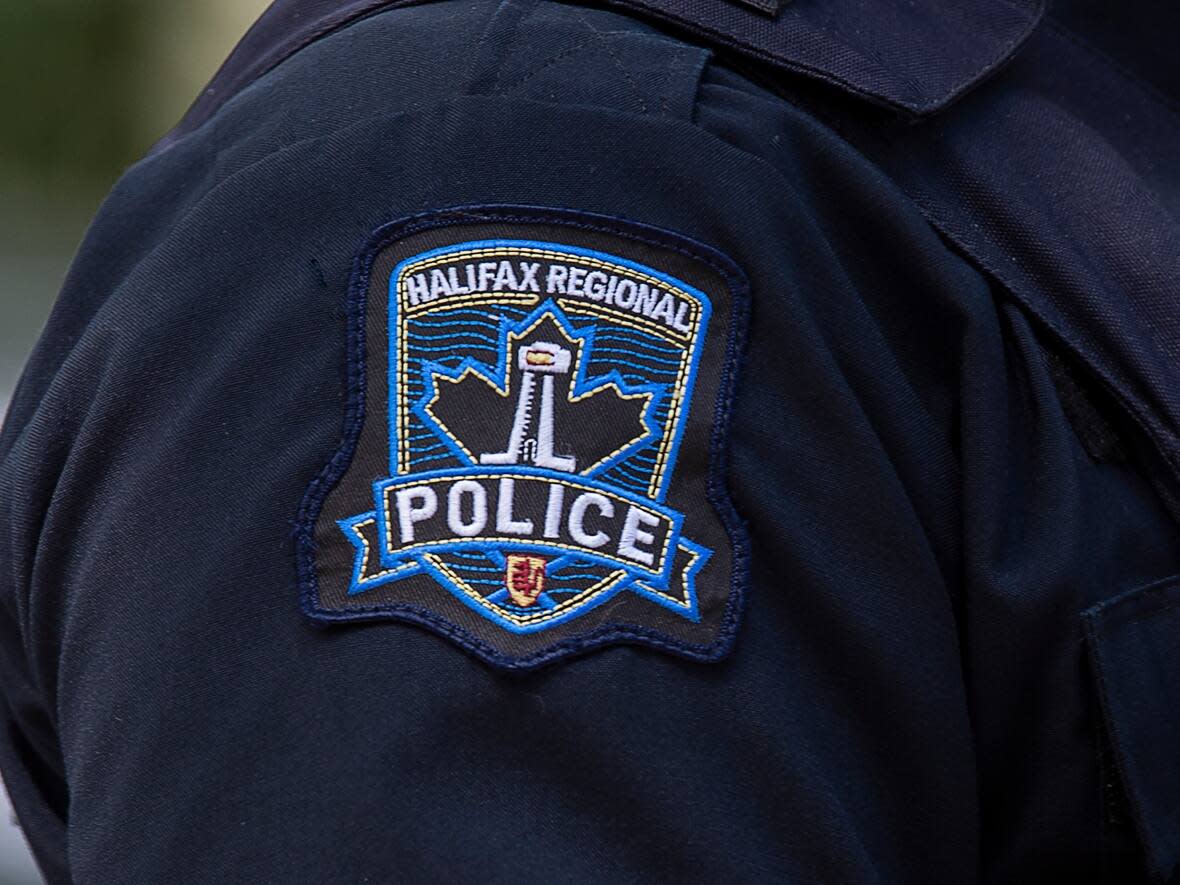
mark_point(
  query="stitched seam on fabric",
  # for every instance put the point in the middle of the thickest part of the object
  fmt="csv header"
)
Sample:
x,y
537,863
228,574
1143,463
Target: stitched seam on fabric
x,y
599,36
1136,593
1098,659
779,61
703,59
574,645
505,88
1033,14
510,47
1151,615
478,70
1109,610
1004,52
1111,383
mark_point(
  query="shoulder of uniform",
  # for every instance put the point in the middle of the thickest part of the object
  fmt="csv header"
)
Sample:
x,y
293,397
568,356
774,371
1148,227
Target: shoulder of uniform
x,y
873,54
917,58
363,57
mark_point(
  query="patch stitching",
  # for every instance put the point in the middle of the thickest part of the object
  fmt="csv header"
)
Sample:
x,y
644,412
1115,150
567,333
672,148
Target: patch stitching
x,y
467,366
716,491
599,593
429,477
517,331
349,527
635,322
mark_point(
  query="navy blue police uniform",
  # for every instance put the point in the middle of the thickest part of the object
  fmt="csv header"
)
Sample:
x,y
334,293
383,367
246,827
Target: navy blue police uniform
x,y
640,441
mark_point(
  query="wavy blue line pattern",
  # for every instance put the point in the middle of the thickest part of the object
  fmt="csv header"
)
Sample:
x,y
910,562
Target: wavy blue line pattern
x,y
449,337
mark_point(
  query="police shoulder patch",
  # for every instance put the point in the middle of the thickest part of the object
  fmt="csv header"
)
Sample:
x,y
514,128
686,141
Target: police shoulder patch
x,y
533,457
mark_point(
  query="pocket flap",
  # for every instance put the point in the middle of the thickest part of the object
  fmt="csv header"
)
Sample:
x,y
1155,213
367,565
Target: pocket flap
x,y
1134,644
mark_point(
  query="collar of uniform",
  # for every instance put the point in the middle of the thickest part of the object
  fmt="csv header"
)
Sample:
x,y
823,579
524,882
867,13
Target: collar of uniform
x,y
917,56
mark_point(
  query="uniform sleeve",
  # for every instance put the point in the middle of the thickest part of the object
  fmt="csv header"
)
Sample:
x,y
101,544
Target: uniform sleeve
x,y
887,436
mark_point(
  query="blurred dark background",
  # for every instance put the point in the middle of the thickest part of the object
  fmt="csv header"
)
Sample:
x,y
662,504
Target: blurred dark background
x,y
89,86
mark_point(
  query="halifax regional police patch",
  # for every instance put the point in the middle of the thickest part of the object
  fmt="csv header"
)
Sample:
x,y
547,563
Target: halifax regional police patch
x,y
533,457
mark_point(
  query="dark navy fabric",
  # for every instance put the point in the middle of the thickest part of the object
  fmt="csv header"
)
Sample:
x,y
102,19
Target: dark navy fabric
x,y
957,661
913,56
1075,214
916,56
1131,639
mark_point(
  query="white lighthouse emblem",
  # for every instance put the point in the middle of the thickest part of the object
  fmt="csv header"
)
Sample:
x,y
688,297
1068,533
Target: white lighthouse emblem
x,y
545,360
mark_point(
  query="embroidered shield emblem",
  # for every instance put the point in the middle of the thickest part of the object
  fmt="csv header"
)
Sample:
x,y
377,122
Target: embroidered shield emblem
x,y
543,426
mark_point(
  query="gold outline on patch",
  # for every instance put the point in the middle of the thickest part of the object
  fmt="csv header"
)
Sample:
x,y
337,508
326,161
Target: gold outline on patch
x,y
506,393
684,573
525,620
367,549
449,257
688,346
386,496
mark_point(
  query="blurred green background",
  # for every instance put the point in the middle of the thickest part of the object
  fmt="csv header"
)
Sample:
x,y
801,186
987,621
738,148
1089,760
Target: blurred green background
x,y
89,86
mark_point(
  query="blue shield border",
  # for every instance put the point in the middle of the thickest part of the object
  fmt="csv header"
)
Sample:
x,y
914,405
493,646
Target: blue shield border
x,y
376,567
